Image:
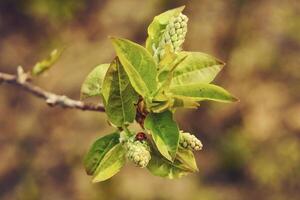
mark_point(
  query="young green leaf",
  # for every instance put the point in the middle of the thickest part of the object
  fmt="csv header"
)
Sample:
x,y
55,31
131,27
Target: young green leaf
x,y
100,147
171,102
111,164
138,64
92,84
184,102
168,58
158,25
196,68
186,157
119,96
165,76
159,166
203,91
46,64
165,133
161,106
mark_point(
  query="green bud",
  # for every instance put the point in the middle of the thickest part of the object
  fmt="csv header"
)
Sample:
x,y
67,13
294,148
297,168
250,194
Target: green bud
x,y
177,43
179,19
179,31
184,18
174,38
177,25
181,37
189,141
138,152
172,31
167,36
174,34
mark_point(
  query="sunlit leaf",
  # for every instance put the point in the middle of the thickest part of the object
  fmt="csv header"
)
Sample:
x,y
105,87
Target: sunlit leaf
x,y
203,91
187,159
165,133
138,64
161,106
92,84
159,166
111,164
184,102
167,59
119,96
99,148
196,68
165,75
46,64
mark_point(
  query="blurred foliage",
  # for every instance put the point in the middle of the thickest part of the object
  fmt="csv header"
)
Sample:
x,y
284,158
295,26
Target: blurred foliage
x,y
47,63
251,149
55,10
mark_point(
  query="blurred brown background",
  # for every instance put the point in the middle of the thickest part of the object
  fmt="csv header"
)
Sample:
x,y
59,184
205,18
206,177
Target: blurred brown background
x,y
251,148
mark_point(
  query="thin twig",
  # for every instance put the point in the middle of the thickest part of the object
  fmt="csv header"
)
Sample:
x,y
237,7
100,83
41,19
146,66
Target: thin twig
x,y
51,99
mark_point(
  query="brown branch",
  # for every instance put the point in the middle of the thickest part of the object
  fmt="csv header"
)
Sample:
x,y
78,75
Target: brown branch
x,y
21,80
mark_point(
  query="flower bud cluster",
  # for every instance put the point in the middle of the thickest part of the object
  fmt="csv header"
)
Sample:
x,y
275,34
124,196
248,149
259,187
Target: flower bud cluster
x,y
173,35
138,152
189,141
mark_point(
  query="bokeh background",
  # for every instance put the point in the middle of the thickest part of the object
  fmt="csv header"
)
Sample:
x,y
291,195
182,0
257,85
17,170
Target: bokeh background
x,y
251,148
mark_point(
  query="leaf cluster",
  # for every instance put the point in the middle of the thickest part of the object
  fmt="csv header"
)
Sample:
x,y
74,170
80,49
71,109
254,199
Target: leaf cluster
x,y
137,87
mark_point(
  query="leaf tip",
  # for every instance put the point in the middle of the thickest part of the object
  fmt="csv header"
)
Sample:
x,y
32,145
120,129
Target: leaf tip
x,y
234,99
182,7
113,38
94,180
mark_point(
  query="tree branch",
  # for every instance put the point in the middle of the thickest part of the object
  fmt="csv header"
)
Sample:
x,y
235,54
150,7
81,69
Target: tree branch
x,y
21,80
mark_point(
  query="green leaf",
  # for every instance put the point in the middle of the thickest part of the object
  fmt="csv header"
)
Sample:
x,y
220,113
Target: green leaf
x,y
92,84
165,133
171,102
168,58
99,148
184,102
165,76
203,91
119,96
46,64
158,25
196,68
161,106
166,72
111,164
138,64
159,166
186,157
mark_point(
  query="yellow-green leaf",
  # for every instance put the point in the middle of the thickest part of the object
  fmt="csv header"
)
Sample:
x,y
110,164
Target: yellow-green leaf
x,y
138,64
165,133
184,102
196,68
203,91
158,166
187,159
99,148
46,64
111,164
92,84
119,96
